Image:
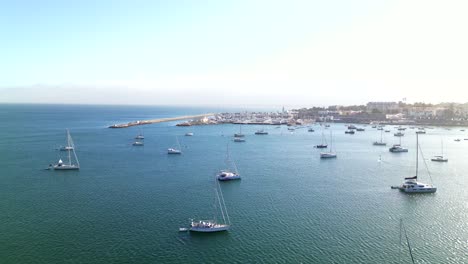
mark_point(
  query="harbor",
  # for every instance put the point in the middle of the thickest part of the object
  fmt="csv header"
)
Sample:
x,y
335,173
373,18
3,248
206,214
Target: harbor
x,y
138,197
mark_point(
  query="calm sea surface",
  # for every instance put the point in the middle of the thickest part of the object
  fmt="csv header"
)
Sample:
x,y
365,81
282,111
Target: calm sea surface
x,y
126,203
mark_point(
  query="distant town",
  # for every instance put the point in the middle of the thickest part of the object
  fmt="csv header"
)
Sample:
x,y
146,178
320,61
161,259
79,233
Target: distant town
x,y
443,114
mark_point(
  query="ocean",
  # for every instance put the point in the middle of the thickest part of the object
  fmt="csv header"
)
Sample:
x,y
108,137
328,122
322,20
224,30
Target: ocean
x,y
126,203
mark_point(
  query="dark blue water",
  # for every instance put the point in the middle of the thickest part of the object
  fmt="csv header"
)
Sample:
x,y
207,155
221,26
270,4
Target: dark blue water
x,y
126,203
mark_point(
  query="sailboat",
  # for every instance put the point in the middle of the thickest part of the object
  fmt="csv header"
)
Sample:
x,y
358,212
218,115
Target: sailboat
x,y
261,132
140,136
329,154
239,139
226,174
69,165
324,142
240,132
210,226
411,184
175,150
440,158
398,148
380,143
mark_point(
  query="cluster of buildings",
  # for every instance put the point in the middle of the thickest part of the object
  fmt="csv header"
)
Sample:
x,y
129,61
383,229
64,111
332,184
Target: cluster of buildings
x,y
390,112
372,112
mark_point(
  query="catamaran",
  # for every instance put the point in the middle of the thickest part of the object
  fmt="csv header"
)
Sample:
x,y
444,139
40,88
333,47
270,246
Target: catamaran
x,y
69,165
210,226
411,184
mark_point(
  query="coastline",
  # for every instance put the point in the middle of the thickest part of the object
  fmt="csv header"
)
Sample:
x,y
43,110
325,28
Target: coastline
x,y
159,120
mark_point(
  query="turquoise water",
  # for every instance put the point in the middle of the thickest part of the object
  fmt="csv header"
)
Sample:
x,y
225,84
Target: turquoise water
x,y
126,203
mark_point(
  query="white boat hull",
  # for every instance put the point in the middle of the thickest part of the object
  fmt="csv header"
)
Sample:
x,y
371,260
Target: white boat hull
x,y
229,178
174,151
419,190
327,155
216,228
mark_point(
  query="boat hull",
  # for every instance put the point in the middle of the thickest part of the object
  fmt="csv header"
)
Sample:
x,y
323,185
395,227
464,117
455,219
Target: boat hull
x,y
229,178
66,167
380,144
219,228
327,155
422,190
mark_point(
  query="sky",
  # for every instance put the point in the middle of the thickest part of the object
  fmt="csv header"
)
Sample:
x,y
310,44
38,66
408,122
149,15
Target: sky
x,y
234,53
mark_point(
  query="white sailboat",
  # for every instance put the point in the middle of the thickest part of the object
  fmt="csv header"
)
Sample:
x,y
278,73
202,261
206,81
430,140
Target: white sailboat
x,y
411,184
69,165
380,143
329,154
261,132
227,174
440,158
175,150
239,139
324,142
396,148
211,226
239,135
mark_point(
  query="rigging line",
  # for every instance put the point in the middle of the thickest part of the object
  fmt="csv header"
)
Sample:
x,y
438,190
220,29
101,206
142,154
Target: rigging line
x,y
399,255
425,164
409,246
219,201
224,204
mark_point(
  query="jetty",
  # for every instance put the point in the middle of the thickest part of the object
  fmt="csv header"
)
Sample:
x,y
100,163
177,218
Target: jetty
x,y
160,120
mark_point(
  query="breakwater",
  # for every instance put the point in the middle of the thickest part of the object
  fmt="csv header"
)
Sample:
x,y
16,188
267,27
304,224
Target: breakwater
x,y
160,120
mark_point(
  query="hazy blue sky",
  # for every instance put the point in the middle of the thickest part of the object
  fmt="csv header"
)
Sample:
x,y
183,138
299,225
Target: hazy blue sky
x,y
294,53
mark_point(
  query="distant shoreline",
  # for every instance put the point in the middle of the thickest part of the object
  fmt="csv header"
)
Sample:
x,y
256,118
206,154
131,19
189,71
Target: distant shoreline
x,y
159,120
